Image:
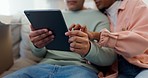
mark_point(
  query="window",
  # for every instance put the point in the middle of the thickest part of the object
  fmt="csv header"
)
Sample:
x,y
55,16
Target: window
x,y
4,7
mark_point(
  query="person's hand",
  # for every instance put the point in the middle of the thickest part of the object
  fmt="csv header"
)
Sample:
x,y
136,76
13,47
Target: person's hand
x,y
41,37
90,34
79,42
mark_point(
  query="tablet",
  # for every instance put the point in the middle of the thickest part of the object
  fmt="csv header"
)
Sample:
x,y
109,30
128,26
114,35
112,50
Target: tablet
x,y
52,20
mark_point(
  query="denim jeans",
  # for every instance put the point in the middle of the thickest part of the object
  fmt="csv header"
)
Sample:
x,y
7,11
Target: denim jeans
x,y
143,74
127,70
53,71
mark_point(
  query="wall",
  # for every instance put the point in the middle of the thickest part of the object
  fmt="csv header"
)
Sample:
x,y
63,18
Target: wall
x,y
146,1
4,3
15,6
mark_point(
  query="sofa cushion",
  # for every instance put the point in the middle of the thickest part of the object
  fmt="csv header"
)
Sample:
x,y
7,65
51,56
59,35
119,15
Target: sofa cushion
x,y
6,59
25,50
15,31
16,36
20,29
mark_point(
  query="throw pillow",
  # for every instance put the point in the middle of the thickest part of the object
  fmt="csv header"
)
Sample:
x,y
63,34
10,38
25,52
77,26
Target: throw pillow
x,y
6,59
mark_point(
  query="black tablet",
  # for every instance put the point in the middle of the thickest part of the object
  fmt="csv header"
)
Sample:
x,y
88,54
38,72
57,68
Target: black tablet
x,y
52,20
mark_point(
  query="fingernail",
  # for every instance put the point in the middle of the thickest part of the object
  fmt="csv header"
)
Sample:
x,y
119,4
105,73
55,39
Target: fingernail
x,y
45,30
66,33
52,36
50,32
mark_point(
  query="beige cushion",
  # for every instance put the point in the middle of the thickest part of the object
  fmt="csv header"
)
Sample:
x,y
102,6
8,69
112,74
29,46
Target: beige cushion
x,y
16,36
25,50
20,29
6,59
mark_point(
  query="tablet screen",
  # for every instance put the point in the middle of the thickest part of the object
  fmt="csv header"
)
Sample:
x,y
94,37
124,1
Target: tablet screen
x,y
52,20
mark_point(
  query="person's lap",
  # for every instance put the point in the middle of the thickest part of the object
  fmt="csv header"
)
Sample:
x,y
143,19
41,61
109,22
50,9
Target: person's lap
x,y
127,70
53,71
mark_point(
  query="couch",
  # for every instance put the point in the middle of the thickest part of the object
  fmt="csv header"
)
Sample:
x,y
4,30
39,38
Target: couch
x,y
15,52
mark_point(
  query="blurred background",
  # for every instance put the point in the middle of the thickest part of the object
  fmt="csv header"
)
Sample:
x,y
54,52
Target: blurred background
x,y
10,7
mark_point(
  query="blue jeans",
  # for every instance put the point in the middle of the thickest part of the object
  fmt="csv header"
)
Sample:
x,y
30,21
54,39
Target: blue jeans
x,y
127,70
143,74
53,71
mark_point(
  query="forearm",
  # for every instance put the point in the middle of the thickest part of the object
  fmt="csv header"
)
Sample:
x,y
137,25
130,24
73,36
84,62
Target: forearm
x,y
101,56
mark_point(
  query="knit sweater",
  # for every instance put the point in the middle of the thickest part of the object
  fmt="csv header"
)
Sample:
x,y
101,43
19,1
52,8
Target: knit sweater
x,y
101,56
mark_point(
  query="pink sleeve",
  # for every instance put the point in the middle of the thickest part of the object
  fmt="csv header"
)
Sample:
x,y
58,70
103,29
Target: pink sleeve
x,y
133,41
127,43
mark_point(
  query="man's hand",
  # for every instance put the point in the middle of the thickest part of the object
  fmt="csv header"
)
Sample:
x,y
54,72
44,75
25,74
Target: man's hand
x,y
91,35
41,37
79,42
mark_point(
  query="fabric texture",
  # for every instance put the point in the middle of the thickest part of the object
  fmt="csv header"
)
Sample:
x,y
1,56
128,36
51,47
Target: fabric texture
x,y
15,26
130,39
54,71
22,54
143,74
18,64
131,70
131,31
25,50
96,55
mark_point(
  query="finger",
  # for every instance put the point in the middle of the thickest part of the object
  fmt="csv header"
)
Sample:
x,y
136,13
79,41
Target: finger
x,y
71,27
77,27
77,39
76,45
77,50
41,38
81,51
76,33
43,42
84,29
39,32
32,28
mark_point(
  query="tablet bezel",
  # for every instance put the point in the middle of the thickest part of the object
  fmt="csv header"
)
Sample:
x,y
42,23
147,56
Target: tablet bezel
x,y
52,20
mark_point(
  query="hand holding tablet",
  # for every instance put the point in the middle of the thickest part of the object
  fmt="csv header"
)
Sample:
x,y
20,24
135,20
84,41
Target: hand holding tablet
x,y
52,20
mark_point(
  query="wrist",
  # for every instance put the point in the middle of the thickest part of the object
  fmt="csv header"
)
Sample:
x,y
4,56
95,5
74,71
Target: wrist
x,y
87,50
97,36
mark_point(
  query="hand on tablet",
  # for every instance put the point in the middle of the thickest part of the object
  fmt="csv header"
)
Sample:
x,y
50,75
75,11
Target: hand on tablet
x,y
41,37
91,35
79,42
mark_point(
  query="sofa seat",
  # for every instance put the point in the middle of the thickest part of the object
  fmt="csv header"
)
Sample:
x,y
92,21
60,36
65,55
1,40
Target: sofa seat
x,y
20,50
